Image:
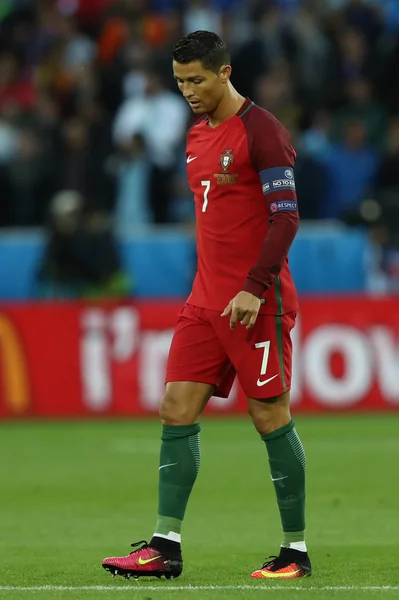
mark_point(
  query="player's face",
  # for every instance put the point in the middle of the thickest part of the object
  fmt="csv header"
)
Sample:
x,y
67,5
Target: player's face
x,y
202,89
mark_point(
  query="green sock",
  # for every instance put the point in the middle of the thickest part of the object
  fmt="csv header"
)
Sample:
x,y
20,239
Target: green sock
x,y
287,465
180,451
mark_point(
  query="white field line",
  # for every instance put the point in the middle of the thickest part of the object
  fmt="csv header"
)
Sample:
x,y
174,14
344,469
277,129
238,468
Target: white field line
x,y
192,588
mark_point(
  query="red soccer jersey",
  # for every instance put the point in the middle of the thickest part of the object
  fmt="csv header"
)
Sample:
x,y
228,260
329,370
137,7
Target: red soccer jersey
x,y
241,174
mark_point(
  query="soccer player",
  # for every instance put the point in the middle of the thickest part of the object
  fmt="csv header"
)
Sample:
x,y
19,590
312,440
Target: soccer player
x,y
242,307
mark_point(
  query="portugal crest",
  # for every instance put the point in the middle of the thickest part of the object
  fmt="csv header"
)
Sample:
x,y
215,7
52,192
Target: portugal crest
x,y
226,159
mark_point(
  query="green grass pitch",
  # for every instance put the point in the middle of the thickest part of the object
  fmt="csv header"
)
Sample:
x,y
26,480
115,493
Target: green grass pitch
x,y
72,493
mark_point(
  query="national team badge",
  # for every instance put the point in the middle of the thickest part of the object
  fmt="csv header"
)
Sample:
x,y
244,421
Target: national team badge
x,y
226,160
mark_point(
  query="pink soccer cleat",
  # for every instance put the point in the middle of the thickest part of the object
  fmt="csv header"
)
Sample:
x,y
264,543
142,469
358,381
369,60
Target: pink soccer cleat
x,y
143,562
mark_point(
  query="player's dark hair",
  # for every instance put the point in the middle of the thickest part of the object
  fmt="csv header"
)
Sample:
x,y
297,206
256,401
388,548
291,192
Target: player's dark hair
x,y
203,46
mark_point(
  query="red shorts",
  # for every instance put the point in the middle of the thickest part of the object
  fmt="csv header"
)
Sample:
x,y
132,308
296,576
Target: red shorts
x,y
206,350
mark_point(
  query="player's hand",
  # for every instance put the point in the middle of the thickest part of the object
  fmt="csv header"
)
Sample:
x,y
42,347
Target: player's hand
x,y
244,308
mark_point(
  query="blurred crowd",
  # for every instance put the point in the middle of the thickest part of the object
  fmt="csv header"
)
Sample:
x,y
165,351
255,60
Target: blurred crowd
x,y
88,105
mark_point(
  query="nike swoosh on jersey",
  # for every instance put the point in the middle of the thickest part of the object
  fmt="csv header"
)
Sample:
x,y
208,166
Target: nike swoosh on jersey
x,y
191,158
260,383
278,478
148,560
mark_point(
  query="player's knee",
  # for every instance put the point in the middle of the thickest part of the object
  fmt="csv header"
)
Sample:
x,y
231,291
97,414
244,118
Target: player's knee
x,y
268,421
175,410
269,414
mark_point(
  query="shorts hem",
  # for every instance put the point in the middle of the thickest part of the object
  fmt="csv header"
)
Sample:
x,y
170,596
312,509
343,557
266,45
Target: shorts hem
x,y
176,378
263,397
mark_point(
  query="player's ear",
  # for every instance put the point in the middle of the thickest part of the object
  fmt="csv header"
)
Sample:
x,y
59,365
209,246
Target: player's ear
x,y
225,73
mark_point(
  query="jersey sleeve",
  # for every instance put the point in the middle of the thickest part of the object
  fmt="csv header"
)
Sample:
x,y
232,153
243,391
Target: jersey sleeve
x,y
273,157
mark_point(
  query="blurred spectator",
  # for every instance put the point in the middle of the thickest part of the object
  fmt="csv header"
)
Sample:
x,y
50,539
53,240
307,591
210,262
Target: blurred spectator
x,y
78,48
48,70
30,178
88,12
135,79
202,14
100,188
360,105
81,259
268,43
352,165
16,93
311,176
161,57
312,185
129,22
348,61
390,267
365,17
381,216
132,171
8,141
45,119
161,118
390,12
43,32
85,148
388,172
311,48
315,141
75,156
387,78
275,92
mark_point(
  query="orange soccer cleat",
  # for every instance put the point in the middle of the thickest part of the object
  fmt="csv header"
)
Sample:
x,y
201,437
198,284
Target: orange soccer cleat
x,y
289,565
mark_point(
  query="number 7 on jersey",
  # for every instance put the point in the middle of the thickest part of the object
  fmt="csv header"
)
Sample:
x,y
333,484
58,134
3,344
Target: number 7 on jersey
x,y
207,186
